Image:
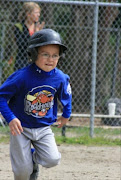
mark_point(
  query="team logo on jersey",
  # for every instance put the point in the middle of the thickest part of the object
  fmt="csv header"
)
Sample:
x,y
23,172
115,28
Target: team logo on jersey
x,y
69,89
39,101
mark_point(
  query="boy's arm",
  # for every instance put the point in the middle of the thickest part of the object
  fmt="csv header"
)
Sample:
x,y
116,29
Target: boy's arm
x,y
5,110
65,97
14,123
7,90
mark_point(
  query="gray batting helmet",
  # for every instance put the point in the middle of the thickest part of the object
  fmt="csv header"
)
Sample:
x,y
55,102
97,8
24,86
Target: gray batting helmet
x,y
42,38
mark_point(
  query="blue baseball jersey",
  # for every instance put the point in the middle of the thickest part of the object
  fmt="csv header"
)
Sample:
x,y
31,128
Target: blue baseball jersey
x,y
31,95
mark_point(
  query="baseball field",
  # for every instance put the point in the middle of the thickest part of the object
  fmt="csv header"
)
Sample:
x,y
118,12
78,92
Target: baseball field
x,y
78,163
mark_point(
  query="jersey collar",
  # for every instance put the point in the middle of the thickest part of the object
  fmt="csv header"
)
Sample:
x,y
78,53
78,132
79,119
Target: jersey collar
x,y
40,71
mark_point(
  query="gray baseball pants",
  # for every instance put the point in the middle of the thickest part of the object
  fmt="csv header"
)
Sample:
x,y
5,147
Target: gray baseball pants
x,y
46,152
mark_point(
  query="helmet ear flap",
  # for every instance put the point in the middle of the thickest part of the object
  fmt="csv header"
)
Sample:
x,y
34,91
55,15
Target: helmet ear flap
x,y
32,53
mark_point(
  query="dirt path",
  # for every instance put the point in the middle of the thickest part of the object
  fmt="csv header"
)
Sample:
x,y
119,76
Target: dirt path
x,y
78,163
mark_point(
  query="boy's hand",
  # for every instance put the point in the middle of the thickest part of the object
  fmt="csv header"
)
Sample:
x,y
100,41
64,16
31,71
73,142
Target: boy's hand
x,y
15,127
62,121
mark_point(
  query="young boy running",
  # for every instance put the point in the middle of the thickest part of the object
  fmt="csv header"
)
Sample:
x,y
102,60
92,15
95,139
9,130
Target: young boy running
x,y
28,102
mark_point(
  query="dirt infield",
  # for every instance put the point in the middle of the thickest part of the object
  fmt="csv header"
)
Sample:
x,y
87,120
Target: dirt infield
x,y
78,163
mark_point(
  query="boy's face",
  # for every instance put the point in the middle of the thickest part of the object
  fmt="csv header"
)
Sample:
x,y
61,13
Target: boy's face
x,y
47,57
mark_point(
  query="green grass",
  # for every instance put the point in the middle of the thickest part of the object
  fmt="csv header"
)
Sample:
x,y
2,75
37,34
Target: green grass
x,y
79,135
4,134
86,140
4,130
85,131
4,139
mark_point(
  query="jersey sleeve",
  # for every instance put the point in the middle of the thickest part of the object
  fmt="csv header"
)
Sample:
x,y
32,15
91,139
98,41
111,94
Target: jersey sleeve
x,y
7,90
65,97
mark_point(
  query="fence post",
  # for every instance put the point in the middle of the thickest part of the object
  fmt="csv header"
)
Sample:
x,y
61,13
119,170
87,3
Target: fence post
x,y
64,131
94,59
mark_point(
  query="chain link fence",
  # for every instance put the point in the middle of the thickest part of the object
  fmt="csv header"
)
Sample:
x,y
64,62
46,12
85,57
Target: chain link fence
x,y
92,32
